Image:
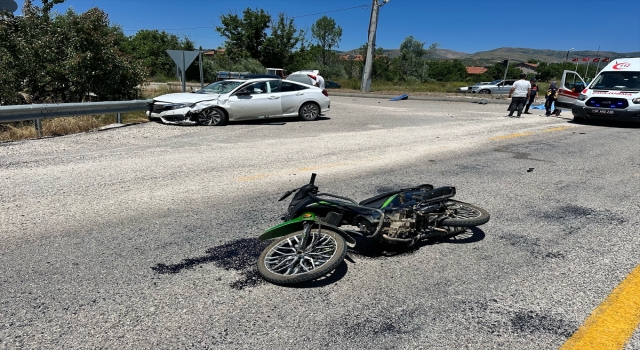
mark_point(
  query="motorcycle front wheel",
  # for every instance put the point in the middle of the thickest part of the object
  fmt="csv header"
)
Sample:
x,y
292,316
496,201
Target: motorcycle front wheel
x,y
285,262
464,214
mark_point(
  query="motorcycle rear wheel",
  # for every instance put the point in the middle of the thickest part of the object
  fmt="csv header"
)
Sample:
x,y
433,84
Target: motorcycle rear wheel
x,y
465,215
282,262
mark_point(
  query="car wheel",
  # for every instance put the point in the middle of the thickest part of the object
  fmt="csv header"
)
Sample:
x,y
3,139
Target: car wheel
x,y
309,111
212,116
484,91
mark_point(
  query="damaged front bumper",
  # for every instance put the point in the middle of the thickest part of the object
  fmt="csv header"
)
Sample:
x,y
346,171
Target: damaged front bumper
x,y
172,113
177,113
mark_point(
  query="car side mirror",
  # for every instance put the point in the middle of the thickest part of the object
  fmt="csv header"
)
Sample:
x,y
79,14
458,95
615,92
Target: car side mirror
x,y
243,92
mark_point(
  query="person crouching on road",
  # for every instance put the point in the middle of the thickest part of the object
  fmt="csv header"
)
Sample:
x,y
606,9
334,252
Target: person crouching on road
x,y
520,91
533,96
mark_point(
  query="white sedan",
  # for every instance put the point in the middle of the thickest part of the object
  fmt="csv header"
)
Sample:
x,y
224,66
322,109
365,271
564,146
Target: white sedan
x,y
230,100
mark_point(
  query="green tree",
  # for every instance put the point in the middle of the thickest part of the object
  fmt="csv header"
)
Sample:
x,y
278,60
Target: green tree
x,y
327,34
150,46
61,58
245,36
447,70
496,72
222,62
381,68
411,61
278,47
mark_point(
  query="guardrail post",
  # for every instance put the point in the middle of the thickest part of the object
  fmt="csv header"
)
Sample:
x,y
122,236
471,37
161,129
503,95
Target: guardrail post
x,y
38,124
118,118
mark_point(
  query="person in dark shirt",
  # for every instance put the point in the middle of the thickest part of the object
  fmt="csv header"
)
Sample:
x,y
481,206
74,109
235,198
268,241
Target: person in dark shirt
x,y
552,96
533,96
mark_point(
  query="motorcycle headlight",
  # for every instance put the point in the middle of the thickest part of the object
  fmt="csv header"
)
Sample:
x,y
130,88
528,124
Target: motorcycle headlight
x,y
636,100
582,97
181,105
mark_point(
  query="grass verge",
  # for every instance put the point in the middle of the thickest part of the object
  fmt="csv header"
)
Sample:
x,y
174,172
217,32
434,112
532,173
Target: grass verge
x,y
65,126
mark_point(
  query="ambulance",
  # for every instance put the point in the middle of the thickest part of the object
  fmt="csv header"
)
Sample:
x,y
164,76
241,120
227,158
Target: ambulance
x,y
614,94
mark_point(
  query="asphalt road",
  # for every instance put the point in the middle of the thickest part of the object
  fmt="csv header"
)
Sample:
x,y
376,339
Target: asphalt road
x,y
144,236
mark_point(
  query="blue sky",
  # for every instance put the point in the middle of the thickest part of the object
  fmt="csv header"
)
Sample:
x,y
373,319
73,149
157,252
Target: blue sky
x,y
460,25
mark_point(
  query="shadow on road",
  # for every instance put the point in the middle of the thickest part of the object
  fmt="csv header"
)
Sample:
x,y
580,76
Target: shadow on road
x,y
242,255
369,248
607,124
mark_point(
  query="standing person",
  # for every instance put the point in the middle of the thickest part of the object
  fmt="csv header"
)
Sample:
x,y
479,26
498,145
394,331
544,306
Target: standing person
x,y
320,81
552,95
533,96
520,92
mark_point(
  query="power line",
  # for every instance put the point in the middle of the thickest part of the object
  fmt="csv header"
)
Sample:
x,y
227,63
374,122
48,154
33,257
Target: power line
x,y
364,7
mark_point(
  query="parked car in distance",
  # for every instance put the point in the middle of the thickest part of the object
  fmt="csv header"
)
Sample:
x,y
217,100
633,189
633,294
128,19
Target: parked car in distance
x,y
235,99
494,87
331,84
468,88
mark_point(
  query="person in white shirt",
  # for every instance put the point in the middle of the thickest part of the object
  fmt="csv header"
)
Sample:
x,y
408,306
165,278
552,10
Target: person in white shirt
x,y
320,81
520,91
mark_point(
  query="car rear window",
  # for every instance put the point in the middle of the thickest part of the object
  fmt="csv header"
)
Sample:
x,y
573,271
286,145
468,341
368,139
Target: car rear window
x,y
287,86
300,78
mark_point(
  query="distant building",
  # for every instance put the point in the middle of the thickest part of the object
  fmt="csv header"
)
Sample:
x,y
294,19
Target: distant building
x,y
527,68
351,57
212,53
475,70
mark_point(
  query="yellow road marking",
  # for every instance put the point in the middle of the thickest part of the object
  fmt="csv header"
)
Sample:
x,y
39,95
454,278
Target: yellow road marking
x,y
323,166
611,324
253,177
557,128
511,136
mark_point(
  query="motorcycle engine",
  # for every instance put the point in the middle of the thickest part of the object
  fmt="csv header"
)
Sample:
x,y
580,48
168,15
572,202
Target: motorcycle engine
x,y
400,224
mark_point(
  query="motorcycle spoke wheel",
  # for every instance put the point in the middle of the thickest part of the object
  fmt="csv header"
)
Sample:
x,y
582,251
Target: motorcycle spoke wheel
x,y
464,215
285,261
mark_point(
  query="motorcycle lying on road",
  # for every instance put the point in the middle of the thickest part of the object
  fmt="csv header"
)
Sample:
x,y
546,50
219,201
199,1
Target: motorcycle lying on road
x,y
318,227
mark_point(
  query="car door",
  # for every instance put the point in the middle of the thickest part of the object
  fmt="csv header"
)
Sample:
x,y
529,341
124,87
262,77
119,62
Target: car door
x,y
502,87
259,102
569,89
292,97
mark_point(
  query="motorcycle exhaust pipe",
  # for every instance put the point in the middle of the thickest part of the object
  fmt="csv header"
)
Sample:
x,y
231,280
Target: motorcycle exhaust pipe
x,y
409,241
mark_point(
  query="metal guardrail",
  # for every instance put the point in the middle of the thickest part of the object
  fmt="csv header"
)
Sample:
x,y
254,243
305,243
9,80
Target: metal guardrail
x,y
37,112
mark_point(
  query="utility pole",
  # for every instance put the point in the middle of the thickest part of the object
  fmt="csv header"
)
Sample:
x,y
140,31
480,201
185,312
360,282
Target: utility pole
x,y
365,85
506,69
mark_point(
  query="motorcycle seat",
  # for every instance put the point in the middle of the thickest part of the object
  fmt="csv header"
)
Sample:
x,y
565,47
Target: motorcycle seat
x,y
410,194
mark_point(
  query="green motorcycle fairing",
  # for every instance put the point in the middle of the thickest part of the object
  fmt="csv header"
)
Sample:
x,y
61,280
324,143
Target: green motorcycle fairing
x,y
294,225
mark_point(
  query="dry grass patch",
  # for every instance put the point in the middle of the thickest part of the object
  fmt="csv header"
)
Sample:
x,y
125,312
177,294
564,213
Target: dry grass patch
x,y
65,126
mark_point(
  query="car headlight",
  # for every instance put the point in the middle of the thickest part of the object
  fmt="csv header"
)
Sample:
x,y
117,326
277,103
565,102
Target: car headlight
x,y
636,100
181,105
582,97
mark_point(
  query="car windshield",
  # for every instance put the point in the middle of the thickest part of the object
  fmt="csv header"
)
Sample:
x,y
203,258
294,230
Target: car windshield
x,y
220,87
495,82
627,81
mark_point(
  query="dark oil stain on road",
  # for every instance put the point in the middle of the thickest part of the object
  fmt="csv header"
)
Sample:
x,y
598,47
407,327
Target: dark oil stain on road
x,y
240,255
533,322
519,155
496,319
575,216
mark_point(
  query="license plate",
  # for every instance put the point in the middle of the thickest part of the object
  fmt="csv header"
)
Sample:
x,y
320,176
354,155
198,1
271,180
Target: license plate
x,y
602,111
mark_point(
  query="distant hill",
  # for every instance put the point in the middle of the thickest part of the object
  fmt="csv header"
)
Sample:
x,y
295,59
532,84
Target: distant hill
x,y
515,54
